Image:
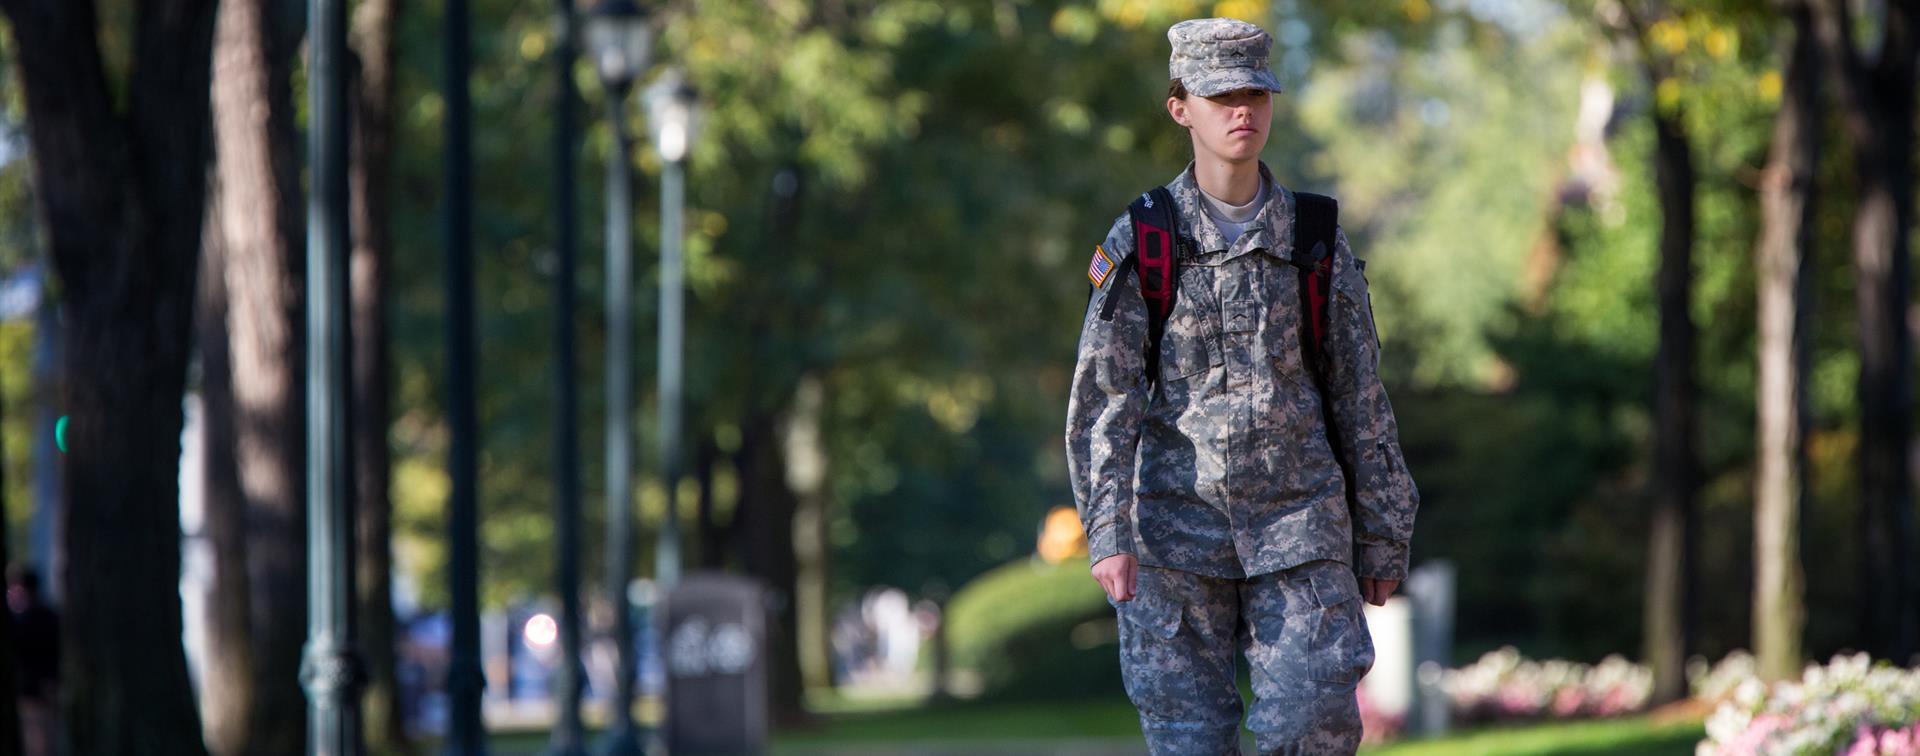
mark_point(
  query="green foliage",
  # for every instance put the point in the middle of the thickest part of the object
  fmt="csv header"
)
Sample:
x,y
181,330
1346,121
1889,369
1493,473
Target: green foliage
x,y
1444,151
1031,629
951,165
16,430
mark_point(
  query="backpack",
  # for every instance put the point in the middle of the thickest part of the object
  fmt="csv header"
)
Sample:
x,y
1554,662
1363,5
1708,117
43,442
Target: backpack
x,y
1158,247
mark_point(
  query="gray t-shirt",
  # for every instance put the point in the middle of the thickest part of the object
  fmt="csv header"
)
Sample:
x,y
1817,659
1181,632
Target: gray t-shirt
x,y
1233,219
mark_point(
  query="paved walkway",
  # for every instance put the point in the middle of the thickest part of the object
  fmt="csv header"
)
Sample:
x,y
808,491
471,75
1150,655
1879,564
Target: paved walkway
x,y
1090,747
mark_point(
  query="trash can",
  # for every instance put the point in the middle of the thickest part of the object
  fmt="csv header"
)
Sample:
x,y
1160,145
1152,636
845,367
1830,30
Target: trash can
x,y
715,640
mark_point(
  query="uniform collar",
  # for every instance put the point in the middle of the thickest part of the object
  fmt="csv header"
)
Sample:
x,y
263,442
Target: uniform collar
x,y
1271,231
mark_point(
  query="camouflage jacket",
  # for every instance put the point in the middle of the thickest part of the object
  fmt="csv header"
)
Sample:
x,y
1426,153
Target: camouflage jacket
x,y
1224,466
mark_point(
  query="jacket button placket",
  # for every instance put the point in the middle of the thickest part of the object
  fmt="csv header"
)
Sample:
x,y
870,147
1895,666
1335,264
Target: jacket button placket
x,y
1240,324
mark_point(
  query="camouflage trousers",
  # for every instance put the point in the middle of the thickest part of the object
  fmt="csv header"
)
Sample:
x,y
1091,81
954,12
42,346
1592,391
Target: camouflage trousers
x,y
1305,641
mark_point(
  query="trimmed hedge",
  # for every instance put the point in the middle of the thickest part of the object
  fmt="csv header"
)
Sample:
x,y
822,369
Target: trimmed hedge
x,y
1029,628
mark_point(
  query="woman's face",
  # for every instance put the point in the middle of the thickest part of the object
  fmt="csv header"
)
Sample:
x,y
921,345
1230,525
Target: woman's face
x,y
1231,126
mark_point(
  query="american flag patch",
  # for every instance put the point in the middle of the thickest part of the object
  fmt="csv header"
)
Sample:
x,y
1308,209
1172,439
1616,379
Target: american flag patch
x,y
1101,266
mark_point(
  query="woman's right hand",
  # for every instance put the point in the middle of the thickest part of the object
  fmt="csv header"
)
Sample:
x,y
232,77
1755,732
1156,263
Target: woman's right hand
x,y
1115,575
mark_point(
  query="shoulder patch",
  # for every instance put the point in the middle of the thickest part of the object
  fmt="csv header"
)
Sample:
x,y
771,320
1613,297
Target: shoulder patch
x,y
1100,268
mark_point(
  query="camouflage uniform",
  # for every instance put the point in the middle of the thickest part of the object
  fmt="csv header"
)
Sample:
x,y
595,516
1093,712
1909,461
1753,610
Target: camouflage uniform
x,y
1220,476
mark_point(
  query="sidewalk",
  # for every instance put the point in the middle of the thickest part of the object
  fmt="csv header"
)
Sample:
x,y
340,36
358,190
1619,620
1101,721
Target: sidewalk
x,y
1082,747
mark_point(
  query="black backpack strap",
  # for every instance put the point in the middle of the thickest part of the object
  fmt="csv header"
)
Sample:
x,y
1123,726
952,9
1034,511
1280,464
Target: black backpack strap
x,y
1155,258
1315,218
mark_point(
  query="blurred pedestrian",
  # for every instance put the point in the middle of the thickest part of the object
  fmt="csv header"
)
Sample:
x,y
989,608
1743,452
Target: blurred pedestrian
x,y
1234,458
36,633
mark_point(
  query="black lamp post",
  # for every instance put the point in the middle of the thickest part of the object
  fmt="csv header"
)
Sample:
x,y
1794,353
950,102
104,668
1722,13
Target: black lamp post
x,y
465,681
568,733
618,38
673,113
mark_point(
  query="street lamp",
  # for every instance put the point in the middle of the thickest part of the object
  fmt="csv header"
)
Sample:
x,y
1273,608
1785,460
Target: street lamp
x,y
618,38
673,114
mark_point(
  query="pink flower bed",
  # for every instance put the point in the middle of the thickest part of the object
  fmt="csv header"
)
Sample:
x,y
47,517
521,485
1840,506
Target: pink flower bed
x,y
1503,686
1850,706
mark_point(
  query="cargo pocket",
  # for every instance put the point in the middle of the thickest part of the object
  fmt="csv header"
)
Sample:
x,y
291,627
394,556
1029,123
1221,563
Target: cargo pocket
x,y
1341,648
1153,614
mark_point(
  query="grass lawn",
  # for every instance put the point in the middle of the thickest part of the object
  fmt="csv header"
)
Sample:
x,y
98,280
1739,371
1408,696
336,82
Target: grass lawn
x,y
1111,728
1089,725
1634,736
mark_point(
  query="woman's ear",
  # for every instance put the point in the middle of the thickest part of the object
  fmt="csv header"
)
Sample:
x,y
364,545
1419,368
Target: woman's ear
x,y
1177,108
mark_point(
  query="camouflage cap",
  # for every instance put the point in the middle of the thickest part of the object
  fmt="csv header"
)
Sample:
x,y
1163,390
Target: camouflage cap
x,y
1217,55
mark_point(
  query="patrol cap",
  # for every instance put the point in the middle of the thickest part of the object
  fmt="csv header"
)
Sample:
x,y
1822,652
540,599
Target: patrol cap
x,y
1214,56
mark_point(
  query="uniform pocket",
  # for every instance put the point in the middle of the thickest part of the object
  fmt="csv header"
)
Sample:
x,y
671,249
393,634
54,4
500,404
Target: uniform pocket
x,y
1280,335
1183,351
1341,647
1380,464
1189,344
1152,615
1150,609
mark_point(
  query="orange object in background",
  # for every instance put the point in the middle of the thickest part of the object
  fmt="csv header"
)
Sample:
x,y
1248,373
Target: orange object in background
x,y
1061,537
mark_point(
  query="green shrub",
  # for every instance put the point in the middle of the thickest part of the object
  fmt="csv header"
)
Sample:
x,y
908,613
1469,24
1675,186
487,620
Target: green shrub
x,y
1032,629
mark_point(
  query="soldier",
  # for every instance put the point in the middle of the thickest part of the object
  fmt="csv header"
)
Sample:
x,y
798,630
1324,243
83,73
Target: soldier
x,y
1212,491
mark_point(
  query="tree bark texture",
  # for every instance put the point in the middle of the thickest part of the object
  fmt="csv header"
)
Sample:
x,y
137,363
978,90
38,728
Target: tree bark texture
x,y
1783,260
261,228
1669,574
121,189
226,686
371,177
1877,105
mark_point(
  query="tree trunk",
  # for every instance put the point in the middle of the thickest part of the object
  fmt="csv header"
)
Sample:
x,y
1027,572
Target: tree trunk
x,y
10,744
709,534
767,508
1669,572
1783,260
226,688
807,468
1877,99
261,228
121,193
371,177
764,515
